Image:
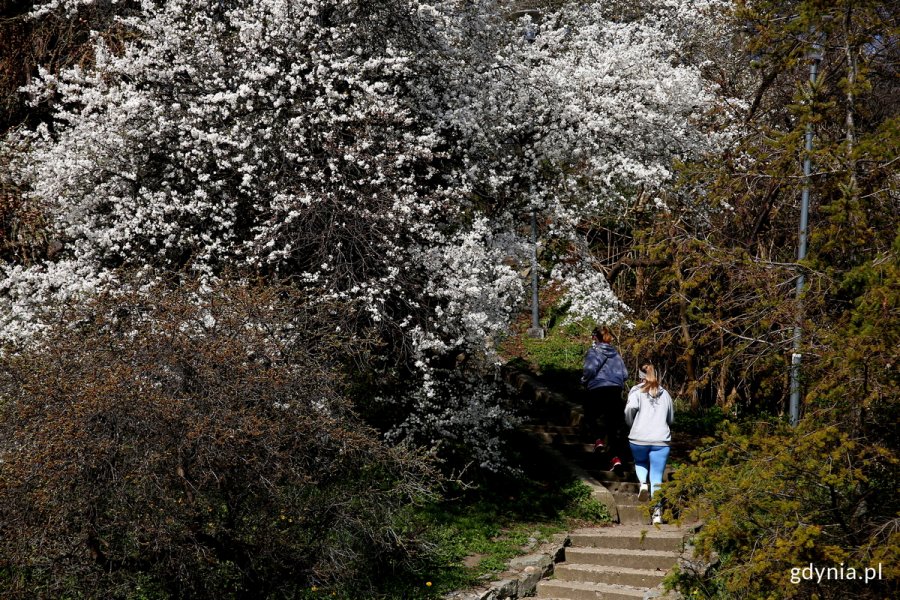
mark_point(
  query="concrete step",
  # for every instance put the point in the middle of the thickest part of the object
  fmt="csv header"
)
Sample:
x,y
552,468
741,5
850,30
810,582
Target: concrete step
x,y
627,498
552,429
646,578
623,487
624,537
580,450
555,439
616,557
578,590
598,466
633,514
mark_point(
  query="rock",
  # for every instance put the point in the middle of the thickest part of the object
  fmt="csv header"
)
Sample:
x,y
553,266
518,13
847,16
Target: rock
x,y
540,561
507,588
529,579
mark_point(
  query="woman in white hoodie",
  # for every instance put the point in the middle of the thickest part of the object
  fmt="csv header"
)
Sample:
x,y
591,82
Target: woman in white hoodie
x,y
649,412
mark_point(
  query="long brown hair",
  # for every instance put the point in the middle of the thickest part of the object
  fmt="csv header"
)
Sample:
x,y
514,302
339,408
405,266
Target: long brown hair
x,y
602,334
650,384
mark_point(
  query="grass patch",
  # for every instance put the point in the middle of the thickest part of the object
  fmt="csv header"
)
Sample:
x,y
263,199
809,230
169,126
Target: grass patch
x,y
474,531
557,359
560,351
489,531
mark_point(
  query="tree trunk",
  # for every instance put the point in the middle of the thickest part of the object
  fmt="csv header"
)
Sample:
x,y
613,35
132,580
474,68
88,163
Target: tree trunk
x,y
686,340
851,201
852,73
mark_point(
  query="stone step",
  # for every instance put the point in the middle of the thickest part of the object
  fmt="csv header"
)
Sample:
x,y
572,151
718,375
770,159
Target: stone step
x,y
646,578
598,465
633,514
554,439
550,428
577,449
623,487
602,474
570,439
578,590
648,537
562,414
616,557
566,439
627,498
545,438
626,475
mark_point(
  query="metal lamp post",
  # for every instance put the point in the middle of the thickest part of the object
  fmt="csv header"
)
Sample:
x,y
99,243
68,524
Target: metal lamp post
x,y
815,55
536,330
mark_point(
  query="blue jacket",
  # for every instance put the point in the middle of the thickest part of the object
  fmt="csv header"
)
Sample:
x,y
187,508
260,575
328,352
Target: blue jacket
x,y
603,367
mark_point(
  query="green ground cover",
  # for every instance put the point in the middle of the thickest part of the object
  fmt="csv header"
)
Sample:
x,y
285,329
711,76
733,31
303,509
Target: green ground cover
x,y
474,530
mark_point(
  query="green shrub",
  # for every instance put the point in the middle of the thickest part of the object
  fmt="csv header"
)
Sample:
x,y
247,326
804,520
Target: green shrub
x,y
776,498
702,422
582,506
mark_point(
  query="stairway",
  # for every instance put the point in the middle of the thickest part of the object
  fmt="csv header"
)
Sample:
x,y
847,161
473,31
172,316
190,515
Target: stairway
x,y
624,561
623,485
621,562
627,560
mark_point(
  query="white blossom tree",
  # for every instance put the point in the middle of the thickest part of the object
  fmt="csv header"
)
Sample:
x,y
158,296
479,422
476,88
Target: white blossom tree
x,y
379,154
277,135
582,112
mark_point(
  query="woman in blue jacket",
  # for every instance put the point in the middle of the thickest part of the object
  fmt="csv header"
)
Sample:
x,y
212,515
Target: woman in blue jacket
x,y
604,375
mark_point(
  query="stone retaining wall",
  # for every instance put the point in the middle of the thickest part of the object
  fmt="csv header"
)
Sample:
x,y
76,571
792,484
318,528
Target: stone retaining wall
x,y
522,577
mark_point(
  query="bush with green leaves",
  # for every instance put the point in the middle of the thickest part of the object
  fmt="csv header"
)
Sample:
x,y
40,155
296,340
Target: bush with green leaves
x,y
193,443
776,498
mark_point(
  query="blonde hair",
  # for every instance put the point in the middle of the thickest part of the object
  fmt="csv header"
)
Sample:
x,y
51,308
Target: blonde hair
x,y
650,383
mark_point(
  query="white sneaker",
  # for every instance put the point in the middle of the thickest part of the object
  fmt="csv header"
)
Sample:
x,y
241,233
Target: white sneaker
x,y
644,493
657,516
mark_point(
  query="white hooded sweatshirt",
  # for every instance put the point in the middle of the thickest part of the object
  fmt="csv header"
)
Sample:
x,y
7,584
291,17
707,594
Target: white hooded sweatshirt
x,y
649,417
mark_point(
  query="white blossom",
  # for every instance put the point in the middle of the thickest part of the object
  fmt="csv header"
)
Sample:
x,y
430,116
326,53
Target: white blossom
x,y
386,156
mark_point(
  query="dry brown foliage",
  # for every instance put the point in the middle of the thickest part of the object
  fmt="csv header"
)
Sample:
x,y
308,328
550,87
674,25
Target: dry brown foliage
x,y
189,444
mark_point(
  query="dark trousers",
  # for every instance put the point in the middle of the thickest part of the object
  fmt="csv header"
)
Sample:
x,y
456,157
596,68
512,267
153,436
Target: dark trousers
x,y
604,415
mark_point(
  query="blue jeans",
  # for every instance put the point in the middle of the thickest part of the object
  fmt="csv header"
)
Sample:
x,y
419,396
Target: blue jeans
x,y
652,459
